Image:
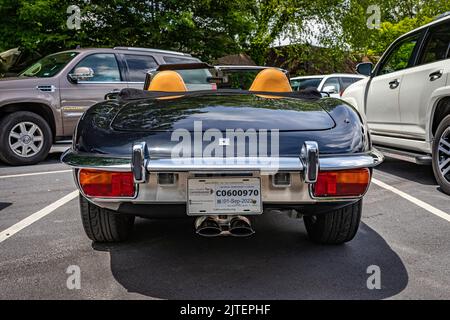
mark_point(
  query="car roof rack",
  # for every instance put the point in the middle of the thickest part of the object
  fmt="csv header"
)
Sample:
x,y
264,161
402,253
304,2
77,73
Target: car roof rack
x,y
153,50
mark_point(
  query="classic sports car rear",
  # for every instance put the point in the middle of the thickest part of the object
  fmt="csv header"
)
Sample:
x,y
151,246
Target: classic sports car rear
x,y
222,157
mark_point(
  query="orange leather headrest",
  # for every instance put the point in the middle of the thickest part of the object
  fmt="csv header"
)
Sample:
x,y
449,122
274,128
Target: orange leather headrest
x,y
271,80
167,81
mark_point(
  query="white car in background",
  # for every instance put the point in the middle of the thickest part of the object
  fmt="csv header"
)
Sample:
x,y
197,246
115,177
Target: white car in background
x,y
406,98
333,84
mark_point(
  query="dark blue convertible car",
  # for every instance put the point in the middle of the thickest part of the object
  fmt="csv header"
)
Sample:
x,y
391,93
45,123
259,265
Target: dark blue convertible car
x,y
222,156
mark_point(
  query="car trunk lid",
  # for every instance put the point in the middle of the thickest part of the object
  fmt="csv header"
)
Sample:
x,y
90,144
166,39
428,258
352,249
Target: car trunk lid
x,y
222,112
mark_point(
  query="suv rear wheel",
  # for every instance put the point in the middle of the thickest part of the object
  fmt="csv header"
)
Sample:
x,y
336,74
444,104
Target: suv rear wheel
x,y
25,138
335,227
441,154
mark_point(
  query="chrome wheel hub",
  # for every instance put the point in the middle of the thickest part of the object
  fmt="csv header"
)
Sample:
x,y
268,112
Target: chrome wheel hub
x,y
444,154
26,139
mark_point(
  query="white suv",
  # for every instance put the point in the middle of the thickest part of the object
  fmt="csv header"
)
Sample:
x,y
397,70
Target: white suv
x,y
406,98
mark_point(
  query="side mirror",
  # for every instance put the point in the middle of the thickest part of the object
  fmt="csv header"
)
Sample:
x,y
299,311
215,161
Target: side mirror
x,y
329,89
81,74
365,68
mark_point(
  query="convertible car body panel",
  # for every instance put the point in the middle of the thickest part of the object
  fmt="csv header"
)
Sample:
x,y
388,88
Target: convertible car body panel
x,y
224,153
108,132
113,127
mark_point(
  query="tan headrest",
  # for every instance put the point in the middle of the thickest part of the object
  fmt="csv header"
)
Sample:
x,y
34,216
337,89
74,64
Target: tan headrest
x,y
167,81
271,80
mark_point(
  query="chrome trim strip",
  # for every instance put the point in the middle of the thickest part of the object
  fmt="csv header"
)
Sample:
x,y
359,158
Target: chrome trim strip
x,y
266,165
340,162
95,161
101,82
46,88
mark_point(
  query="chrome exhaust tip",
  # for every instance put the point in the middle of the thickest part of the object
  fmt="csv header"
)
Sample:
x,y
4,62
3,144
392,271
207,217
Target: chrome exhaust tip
x,y
208,226
240,227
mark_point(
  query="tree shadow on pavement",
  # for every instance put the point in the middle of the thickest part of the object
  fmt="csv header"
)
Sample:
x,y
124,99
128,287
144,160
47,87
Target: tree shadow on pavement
x,y
422,174
165,259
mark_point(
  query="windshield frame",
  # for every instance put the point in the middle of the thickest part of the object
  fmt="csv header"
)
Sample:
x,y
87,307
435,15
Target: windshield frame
x,y
70,55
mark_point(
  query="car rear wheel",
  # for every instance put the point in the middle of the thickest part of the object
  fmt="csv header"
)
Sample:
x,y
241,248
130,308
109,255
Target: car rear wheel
x,y
25,138
335,227
441,155
103,225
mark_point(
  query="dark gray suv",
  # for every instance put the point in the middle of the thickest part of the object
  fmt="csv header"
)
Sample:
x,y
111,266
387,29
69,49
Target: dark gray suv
x,y
44,103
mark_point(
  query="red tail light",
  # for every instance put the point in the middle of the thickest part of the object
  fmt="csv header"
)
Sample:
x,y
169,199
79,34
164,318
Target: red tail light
x,y
343,183
105,184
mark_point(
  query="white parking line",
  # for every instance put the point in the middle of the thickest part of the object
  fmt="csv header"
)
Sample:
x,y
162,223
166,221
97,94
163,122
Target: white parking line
x,y
36,216
33,174
417,202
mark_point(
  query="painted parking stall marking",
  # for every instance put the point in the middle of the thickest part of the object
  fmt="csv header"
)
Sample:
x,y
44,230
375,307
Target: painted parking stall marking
x,y
33,174
36,216
420,203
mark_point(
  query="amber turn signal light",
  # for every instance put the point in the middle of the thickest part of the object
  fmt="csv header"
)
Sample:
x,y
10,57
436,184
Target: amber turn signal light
x,y
343,183
106,184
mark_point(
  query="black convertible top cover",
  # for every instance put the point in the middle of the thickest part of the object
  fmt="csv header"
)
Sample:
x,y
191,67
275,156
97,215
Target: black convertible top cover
x,y
136,94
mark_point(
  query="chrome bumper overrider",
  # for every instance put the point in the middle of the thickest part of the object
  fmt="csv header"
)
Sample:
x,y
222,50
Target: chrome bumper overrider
x,y
303,171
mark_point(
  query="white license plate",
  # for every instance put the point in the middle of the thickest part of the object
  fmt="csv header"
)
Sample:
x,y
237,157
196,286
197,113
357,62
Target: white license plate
x,y
223,196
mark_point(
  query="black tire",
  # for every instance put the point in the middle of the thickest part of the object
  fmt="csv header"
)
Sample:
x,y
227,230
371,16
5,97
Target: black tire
x,y
443,181
103,225
334,227
12,120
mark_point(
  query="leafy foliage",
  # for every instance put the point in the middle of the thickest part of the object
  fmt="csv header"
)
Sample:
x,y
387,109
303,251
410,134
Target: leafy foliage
x,y
397,19
206,28
213,28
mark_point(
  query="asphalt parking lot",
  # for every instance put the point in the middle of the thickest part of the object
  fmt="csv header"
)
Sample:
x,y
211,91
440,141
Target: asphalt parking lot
x,y
405,231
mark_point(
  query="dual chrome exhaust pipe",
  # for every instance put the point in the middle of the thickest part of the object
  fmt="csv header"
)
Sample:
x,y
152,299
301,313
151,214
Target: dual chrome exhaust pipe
x,y
214,226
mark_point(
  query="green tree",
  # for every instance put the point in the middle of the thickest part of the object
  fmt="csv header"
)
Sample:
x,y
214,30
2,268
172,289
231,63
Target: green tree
x,y
397,18
206,28
212,28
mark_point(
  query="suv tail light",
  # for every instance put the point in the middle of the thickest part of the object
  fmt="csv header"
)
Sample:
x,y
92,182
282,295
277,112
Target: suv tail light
x,y
343,183
106,184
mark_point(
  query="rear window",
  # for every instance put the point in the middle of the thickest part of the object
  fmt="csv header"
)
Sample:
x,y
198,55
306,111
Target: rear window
x,y
138,66
301,84
346,82
195,76
437,45
171,59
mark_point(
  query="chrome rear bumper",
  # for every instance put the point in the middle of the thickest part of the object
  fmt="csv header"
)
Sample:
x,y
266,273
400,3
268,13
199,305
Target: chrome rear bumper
x,y
265,165
150,191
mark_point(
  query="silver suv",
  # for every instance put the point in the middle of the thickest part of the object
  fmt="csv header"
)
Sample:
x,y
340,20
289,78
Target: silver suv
x,y
43,104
